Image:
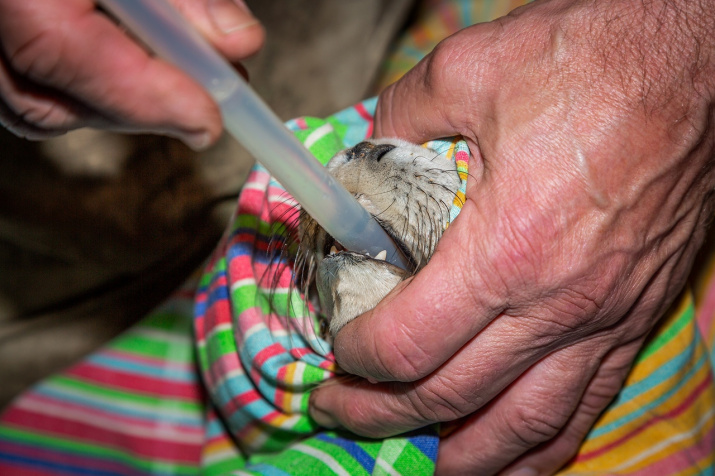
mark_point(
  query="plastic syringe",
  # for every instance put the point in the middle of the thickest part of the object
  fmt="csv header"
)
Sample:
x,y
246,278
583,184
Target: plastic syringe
x,y
253,124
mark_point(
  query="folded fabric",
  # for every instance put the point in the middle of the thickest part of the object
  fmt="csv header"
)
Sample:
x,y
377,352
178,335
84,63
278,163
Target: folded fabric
x,y
258,350
140,405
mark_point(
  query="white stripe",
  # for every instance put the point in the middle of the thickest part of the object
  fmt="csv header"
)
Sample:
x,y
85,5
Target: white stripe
x,y
328,460
242,282
669,442
234,373
261,187
395,447
122,404
295,403
386,467
163,431
318,134
219,328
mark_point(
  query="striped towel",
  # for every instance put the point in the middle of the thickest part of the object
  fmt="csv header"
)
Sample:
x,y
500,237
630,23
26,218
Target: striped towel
x,y
138,406
257,346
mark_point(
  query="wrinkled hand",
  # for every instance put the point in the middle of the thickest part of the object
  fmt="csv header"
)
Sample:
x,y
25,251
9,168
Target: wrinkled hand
x,y
592,141
65,65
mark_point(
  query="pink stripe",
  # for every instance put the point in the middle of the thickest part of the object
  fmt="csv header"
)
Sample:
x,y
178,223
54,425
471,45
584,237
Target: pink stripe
x,y
360,108
462,156
225,364
18,470
240,401
85,410
240,268
259,176
146,360
248,320
271,351
706,312
666,416
300,122
683,460
116,379
80,432
279,393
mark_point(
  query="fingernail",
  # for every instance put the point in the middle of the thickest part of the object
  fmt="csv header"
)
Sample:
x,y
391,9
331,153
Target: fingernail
x,y
198,141
321,417
230,15
524,471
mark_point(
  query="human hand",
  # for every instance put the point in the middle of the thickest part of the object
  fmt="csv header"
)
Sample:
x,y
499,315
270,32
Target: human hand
x,y
591,179
66,65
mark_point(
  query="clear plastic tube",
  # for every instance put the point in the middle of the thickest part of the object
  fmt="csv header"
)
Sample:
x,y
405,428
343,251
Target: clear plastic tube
x,y
253,124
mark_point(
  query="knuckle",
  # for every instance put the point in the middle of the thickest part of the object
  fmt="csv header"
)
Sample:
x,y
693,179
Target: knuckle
x,y
367,420
442,400
400,357
531,426
37,56
42,115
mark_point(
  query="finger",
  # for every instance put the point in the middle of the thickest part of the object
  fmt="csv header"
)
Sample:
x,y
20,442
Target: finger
x,y
552,455
395,341
531,411
471,378
122,84
16,125
440,95
228,24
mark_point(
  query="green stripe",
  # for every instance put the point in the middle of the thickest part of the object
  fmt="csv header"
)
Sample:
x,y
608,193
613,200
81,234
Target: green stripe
x,y
296,461
75,447
145,346
137,400
664,336
246,297
413,461
223,467
219,344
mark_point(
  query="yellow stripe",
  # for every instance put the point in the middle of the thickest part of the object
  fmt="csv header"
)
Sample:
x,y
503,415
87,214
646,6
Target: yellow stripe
x,y
662,430
288,396
460,198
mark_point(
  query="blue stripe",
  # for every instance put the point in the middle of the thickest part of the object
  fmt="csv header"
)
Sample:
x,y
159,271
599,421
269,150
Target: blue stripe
x,y
353,449
147,415
427,443
656,378
163,372
266,469
58,468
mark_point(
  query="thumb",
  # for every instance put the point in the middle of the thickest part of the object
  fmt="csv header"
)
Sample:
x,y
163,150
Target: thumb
x,y
228,24
425,321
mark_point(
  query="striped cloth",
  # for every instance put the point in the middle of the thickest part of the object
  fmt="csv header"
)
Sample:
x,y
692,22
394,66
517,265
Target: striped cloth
x,y
257,346
139,406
